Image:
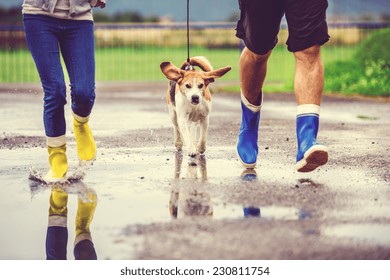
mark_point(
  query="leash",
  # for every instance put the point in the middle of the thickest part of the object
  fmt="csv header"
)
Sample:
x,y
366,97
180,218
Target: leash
x,y
188,31
189,66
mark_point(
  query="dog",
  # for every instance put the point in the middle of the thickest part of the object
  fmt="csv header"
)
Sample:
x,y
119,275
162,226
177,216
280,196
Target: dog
x,y
189,101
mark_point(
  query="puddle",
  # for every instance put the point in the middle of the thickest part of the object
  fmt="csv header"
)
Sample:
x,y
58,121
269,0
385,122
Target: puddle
x,y
373,233
140,186
190,195
231,211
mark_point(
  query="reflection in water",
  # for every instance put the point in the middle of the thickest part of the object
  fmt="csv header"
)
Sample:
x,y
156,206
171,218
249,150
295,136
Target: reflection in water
x,y
274,212
57,231
252,211
306,182
250,175
189,196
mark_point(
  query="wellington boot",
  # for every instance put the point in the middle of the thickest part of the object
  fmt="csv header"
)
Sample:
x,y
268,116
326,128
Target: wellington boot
x,y
58,164
310,155
57,232
86,147
83,246
247,147
85,212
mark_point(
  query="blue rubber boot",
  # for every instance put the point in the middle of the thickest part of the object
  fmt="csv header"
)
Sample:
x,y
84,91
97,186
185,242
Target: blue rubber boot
x,y
310,154
247,148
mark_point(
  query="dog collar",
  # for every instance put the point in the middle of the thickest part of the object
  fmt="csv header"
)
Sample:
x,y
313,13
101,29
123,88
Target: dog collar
x,y
189,67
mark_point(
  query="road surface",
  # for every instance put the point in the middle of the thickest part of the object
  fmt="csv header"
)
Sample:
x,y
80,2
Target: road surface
x,y
156,204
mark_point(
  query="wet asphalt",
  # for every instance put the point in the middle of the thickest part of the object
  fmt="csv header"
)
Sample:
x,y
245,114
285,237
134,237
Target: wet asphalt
x,y
153,203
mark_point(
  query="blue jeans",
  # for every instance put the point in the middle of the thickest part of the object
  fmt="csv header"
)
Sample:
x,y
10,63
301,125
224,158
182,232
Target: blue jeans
x,y
48,38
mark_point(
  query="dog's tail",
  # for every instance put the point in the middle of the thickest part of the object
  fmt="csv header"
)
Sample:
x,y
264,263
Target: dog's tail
x,y
199,61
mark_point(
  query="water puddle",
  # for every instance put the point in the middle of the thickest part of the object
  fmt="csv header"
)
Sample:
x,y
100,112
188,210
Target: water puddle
x,y
142,186
372,233
37,178
282,213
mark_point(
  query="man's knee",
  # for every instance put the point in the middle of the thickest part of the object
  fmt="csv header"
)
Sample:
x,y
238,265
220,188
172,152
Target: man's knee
x,y
256,58
309,55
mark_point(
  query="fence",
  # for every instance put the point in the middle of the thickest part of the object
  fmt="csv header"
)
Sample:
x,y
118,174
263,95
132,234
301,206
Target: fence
x,y
133,52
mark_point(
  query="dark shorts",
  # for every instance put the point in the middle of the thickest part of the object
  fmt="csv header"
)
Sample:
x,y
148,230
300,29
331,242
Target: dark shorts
x,y
260,20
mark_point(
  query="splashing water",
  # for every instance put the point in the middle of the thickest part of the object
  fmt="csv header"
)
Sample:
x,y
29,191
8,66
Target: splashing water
x,y
77,176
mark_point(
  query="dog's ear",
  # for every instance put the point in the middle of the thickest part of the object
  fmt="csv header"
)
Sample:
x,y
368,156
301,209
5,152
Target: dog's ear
x,y
210,76
172,72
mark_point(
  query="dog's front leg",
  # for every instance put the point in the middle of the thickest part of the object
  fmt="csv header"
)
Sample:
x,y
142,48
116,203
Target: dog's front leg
x,y
176,130
193,131
185,132
204,127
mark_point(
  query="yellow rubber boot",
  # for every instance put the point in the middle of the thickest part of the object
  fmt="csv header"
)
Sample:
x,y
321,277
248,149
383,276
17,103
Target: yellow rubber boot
x,y
58,203
83,245
57,231
58,163
86,147
85,212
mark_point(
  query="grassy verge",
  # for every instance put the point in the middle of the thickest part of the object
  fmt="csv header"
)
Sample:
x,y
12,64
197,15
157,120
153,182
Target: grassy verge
x,y
367,72
142,64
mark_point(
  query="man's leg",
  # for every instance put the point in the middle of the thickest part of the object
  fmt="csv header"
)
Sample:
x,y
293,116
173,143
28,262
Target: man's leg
x,y
258,27
309,76
253,69
308,86
308,31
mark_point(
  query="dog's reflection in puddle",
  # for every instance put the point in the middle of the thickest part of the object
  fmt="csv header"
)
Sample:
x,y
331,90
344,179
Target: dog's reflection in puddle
x,y
189,195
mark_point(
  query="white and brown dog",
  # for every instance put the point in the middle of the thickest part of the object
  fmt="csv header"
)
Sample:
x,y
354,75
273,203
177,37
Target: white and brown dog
x,y
189,101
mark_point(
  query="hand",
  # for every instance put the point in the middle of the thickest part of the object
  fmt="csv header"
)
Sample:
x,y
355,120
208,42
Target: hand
x,y
101,4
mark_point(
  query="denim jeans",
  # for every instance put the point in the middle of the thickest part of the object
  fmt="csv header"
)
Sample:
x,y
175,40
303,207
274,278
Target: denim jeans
x,y
48,38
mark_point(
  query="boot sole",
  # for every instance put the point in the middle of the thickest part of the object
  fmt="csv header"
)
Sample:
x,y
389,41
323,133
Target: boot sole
x,y
83,162
246,165
315,157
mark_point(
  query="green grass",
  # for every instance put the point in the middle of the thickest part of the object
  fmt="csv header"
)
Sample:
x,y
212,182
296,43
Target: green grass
x,y
17,66
367,71
142,64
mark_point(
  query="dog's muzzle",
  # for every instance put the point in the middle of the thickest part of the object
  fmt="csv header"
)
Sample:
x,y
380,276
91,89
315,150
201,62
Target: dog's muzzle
x,y
195,99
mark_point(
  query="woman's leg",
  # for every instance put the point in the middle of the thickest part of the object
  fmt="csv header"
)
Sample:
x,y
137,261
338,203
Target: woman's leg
x,y
42,35
77,47
78,50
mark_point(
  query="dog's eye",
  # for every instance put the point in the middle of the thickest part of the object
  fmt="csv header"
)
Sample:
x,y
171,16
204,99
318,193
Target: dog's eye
x,y
201,86
188,86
